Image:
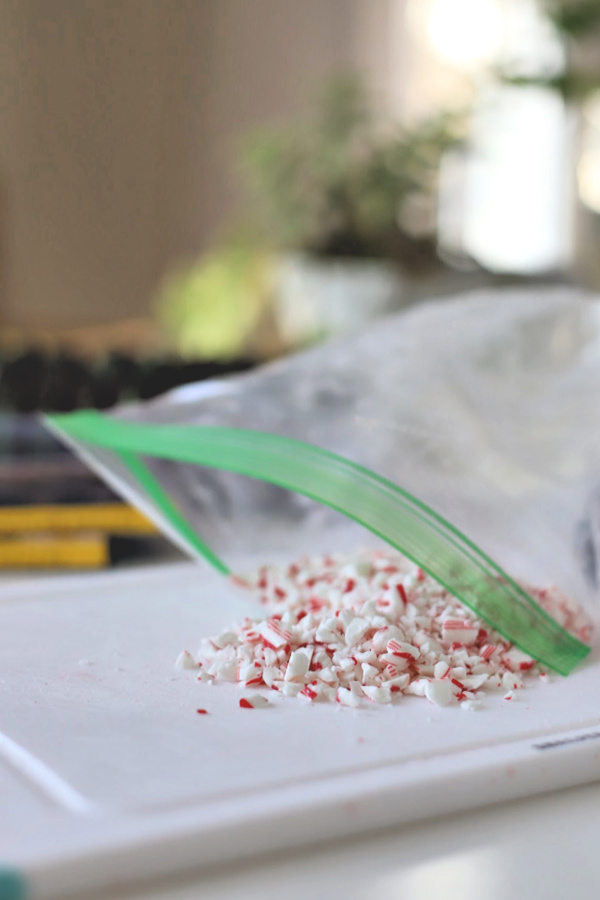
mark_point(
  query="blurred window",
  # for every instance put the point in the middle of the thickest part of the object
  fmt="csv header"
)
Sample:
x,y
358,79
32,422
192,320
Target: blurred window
x,y
507,202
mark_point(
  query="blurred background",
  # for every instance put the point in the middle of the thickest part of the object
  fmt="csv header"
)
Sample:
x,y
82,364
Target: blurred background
x,y
191,187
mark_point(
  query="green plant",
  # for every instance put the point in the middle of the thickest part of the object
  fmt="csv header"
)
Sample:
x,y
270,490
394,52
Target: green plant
x,y
576,23
336,184
209,308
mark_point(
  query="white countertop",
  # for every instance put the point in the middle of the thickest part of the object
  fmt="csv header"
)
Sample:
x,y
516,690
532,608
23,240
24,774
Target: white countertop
x,y
546,847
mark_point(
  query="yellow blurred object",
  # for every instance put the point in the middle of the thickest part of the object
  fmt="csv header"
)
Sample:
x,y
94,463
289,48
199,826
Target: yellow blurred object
x,y
211,308
91,551
116,518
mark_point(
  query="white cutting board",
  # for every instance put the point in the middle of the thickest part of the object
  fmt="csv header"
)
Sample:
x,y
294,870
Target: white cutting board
x,y
108,773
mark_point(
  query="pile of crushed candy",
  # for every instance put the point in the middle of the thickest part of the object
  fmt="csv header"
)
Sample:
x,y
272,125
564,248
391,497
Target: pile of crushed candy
x,y
369,628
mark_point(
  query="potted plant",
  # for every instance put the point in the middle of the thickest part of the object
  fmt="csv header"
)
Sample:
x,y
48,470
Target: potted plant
x,y
349,206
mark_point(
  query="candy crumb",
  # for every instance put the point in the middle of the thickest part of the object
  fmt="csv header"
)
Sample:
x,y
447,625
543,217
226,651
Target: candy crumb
x,y
202,712
185,660
254,701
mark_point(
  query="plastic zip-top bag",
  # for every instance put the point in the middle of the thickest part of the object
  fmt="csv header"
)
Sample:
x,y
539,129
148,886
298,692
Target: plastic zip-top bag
x,y
462,432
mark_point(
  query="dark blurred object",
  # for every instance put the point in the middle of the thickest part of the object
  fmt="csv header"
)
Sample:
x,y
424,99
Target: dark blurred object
x,y
39,382
49,481
23,436
114,378
66,384
36,381
22,381
161,377
36,468
127,549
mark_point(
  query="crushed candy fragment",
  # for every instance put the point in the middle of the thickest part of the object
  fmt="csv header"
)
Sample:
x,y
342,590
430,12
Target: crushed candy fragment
x,y
255,701
185,660
369,629
440,692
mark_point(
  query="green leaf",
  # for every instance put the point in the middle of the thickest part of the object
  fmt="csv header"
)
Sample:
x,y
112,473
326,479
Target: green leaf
x,y
208,309
571,85
575,19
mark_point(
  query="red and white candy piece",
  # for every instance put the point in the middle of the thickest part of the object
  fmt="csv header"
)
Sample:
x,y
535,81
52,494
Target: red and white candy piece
x,y
460,631
356,631
298,665
254,701
517,661
273,634
441,669
382,694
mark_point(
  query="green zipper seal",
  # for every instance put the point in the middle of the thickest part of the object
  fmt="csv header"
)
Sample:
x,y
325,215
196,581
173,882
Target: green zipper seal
x,y
148,482
374,502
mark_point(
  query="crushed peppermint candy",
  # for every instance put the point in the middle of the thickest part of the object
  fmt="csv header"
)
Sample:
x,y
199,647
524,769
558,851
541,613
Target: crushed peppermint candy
x,y
370,628
185,660
255,701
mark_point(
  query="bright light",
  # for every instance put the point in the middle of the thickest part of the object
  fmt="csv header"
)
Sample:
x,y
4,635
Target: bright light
x,y
588,177
518,203
466,33
588,169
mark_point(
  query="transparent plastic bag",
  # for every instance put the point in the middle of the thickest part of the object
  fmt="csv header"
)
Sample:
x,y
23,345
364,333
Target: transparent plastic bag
x,y
484,407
